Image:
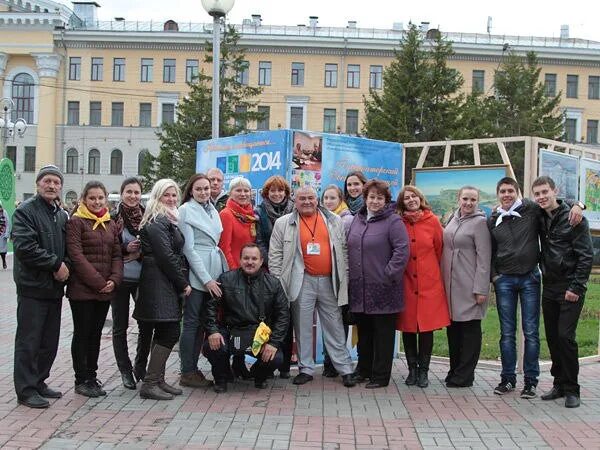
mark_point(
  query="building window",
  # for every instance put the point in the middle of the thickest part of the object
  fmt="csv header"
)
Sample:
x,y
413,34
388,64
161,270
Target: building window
x,y
191,70
264,73
478,81
592,132
594,87
142,160
116,162
29,161
329,118
117,114
296,115
147,70
376,77
168,113
145,114
72,113
352,121
23,96
297,74
240,120
243,75
572,81
263,124
95,114
550,84
75,68
119,69
71,199
331,75
353,76
94,162
11,153
570,130
72,161
169,71
97,69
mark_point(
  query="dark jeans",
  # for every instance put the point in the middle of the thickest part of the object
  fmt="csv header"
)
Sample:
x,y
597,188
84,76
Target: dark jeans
x,y
192,334
165,334
88,320
509,289
219,361
376,333
36,342
464,347
560,321
120,313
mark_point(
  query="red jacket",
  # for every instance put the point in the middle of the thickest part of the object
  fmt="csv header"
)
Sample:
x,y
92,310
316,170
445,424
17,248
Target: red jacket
x,y
425,304
96,258
236,232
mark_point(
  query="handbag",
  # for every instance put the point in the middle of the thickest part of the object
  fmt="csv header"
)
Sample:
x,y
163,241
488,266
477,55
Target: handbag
x,y
242,338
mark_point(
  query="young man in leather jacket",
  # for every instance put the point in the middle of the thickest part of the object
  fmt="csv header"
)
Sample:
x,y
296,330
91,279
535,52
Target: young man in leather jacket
x,y
566,263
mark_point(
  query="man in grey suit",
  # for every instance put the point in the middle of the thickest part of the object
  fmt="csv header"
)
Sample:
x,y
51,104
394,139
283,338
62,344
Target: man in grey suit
x,y
308,254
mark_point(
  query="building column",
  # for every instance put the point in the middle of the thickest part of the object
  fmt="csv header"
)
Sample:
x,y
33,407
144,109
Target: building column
x,y
3,61
48,65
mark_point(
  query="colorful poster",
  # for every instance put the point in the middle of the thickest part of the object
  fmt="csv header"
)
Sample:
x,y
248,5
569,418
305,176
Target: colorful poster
x,y
589,190
563,169
376,159
255,156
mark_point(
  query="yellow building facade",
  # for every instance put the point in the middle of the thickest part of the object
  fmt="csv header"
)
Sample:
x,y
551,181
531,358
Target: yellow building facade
x,y
95,92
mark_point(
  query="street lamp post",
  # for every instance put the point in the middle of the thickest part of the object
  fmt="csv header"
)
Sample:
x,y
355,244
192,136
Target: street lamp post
x,y
217,9
8,128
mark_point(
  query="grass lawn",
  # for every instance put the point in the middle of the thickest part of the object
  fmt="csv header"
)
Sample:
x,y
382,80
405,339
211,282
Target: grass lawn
x,y
587,330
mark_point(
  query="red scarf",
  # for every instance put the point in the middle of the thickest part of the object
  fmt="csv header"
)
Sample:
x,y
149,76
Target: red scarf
x,y
245,214
413,216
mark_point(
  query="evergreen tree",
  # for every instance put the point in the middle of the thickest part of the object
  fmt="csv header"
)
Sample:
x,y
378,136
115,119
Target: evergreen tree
x,y
177,157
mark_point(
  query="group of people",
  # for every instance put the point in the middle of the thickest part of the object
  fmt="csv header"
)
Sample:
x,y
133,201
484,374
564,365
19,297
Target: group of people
x,y
226,279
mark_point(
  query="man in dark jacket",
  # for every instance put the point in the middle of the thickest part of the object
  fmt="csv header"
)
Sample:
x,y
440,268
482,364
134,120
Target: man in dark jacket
x,y
566,262
244,290
40,273
218,196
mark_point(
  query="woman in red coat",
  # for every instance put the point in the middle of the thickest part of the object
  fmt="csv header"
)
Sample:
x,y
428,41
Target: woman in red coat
x,y
426,307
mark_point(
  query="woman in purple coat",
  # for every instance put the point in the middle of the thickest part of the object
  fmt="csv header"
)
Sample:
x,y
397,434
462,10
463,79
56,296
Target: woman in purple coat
x,y
377,255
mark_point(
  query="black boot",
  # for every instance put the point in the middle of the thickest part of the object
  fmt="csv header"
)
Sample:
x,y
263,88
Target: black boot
x,y
411,379
156,368
422,379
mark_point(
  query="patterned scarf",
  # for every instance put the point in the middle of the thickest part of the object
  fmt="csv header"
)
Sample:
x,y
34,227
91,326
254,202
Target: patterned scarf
x,y
130,217
276,210
413,216
245,214
354,204
99,219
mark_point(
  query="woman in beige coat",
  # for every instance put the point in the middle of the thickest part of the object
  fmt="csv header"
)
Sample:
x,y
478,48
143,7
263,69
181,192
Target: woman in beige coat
x,y
466,261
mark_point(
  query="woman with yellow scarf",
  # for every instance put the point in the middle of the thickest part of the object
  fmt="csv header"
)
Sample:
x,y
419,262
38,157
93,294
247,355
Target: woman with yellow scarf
x,y
97,269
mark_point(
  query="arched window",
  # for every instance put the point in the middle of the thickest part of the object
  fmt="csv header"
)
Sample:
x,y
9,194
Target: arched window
x,y
70,199
141,160
72,161
116,162
23,96
94,162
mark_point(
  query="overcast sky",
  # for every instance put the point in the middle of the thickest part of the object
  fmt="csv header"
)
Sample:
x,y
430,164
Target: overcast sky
x,y
516,17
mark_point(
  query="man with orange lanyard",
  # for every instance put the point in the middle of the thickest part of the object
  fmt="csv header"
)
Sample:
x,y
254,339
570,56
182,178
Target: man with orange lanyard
x,y
308,254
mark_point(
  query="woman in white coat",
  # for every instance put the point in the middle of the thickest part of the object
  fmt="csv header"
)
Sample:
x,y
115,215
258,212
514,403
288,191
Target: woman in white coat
x,y
466,261
201,227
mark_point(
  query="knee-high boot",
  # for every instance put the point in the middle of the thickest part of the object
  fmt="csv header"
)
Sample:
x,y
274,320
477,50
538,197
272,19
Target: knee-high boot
x,y
154,376
422,379
411,361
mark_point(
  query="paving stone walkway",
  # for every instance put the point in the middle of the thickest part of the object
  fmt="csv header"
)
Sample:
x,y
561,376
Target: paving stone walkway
x,y
321,414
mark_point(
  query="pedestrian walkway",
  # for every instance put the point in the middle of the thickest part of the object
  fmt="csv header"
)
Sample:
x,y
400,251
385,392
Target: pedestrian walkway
x,y
321,414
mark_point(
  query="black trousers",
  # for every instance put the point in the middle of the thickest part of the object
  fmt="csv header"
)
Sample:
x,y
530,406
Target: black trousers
x,y
36,342
160,333
120,315
560,322
88,319
287,347
464,347
376,336
219,361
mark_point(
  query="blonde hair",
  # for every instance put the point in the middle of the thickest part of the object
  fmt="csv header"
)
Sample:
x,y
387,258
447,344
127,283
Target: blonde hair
x,y
155,207
239,181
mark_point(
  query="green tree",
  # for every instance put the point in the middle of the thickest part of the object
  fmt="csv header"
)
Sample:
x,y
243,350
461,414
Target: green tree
x,y
177,157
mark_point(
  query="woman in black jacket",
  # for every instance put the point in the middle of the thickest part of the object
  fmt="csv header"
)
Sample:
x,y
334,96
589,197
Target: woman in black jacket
x,y
163,283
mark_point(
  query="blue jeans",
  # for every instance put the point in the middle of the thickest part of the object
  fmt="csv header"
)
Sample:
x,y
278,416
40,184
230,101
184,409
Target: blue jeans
x,y
192,333
509,289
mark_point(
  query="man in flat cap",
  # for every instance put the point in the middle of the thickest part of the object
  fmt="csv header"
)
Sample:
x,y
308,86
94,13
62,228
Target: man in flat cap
x,y
40,273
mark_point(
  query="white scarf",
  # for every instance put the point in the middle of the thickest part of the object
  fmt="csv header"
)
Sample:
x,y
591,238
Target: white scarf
x,y
511,212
